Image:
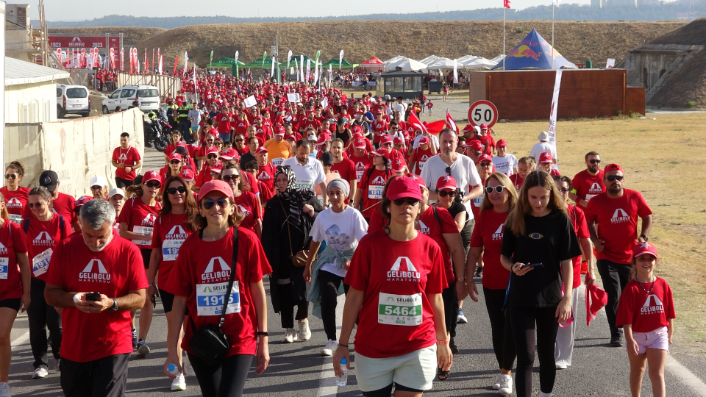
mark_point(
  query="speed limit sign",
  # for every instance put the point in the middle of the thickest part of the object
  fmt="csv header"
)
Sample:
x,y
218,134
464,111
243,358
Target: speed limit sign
x,y
483,112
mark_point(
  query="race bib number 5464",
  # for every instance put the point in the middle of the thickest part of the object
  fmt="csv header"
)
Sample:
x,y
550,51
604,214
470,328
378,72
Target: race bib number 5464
x,y
400,309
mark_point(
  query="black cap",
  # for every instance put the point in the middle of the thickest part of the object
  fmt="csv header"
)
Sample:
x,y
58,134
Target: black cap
x,y
287,122
181,150
49,179
327,158
342,120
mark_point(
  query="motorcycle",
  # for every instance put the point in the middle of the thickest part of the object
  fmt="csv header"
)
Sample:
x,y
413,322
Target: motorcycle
x,y
157,132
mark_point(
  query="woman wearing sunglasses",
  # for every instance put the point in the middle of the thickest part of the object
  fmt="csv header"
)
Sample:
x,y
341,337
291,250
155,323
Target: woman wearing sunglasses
x,y
173,167
198,281
245,199
289,216
44,231
136,223
500,198
15,280
171,228
15,195
538,245
396,280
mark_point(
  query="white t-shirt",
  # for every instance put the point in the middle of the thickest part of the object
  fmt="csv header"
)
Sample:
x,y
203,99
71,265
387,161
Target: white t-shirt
x,y
506,164
341,231
434,140
308,175
401,108
463,170
540,148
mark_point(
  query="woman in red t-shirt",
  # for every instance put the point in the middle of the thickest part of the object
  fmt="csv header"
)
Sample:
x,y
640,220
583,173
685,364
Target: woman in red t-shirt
x,y
171,228
202,273
14,285
499,199
14,194
245,200
396,278
372,184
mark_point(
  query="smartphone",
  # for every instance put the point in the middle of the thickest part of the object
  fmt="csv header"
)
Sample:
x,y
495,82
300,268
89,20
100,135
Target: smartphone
x,y
538,264
93,296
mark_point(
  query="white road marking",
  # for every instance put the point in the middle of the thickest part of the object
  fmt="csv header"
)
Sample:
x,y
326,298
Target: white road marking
x,y
20,340
327,383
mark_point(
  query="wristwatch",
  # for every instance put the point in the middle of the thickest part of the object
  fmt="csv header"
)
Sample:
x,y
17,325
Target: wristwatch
x,y
114,308
644,237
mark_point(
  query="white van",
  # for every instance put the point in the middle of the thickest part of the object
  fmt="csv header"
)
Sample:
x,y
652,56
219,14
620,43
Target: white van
x,y
146,95
72,99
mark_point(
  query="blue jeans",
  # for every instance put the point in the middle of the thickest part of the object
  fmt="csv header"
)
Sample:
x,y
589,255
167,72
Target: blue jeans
x,y
225,137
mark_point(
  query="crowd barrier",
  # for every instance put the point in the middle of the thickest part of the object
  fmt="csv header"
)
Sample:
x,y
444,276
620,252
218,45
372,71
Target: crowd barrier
x,y
77,149
165,84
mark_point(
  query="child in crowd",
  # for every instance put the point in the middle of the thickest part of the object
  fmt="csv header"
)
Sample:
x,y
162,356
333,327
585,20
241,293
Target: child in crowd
x,y
430,105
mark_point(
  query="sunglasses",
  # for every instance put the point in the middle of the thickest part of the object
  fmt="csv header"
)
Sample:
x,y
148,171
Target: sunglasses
x,y
228,178
209,140
496,189
38,205
212,156
239,140
448,170
445,193
175,162
209,203
409,201
485,164
594,161
174,190
153,184
611,178
10,176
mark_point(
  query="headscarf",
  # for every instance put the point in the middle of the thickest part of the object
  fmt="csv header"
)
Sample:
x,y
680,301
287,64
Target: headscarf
x,y
296,197
341,184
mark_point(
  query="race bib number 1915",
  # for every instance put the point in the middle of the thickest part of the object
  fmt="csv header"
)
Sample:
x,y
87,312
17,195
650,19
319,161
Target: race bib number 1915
x,y
209,299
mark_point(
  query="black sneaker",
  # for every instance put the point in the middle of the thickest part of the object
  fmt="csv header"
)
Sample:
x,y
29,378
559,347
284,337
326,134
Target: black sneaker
x,y
616,341
479,271
453,347
134,340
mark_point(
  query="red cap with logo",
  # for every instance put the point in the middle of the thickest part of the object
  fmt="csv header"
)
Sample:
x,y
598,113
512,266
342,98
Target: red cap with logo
x,y
381,152
397,140
398,165
403,187
151,176
484,126
217,168
175,156
211,150
187,175
260,150
501,143
323,138
423,140
359,143
228,154
484,158
545,157
420,181
476,145
446,182
216,186
82,200
385,138
644,249
612,167
279,131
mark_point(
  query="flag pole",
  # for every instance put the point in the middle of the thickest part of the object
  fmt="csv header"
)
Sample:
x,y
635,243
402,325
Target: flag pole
x,y
553,34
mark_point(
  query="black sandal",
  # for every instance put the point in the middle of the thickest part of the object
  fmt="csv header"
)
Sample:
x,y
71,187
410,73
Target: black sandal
x,y
440,372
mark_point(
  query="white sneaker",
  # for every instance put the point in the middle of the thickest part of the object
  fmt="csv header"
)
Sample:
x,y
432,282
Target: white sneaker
x,y
188,369
505,385
5,390
498,380
289,335
40,373
545,394
304,331
461,318
561,365
179,383
327,350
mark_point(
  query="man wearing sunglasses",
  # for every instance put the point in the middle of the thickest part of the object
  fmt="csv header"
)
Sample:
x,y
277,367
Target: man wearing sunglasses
x,y
589,182
612,221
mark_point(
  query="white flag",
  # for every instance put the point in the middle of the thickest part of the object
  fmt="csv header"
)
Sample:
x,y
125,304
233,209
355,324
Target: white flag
x,y
330,74
308,70
272,70
340,60
301,65
553,113
296,66
455,71
186,61
289,58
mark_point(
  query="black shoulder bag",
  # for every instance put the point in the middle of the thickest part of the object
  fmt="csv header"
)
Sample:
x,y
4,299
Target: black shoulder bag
x,y
209,342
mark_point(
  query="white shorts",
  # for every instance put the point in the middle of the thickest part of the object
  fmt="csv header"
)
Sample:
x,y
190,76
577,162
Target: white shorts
x,y
657,339
415,370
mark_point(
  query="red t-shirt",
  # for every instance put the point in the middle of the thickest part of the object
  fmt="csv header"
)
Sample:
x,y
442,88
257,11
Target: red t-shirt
x,y
129,157
62,205
646,312
223,122
587,186
247,205
379,127
436,229
617,223
139,218
170,232
15,202
42,238
346,169
203,176
201,275
361,164
488,234
114,272
266,176
517,181
12,241
487,139
578,221
419,157
306,123
241,126
372,185
397,277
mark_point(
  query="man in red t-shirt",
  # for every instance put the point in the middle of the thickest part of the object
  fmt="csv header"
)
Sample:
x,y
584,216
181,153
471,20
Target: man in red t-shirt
x,y
97,278
612,221
589,182
126,159
344,167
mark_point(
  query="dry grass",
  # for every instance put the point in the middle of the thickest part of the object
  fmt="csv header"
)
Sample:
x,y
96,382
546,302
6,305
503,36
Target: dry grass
x,y
360,40
131,36
654,154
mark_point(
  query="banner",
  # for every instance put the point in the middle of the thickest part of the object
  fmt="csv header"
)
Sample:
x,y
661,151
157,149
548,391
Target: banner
x,y
250,101
455,71
272,69
237,73
59,56
340,60
301,65
289,58
293,97
175,66
308,70
112,59
161,64
296,66
552,114
186,61
122,59
264,57
210,58
330,74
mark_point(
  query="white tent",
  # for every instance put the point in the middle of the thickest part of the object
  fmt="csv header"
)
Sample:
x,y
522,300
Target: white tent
x,y
480,63
442,63
498,58
429,60
467,58
406,64
394,59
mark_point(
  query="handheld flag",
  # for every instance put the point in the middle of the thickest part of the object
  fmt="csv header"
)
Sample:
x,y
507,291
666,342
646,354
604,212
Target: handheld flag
x,y
450,123
416,123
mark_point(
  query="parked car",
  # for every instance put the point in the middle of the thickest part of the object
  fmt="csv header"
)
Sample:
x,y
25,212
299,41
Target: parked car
x,y
72,99
146,95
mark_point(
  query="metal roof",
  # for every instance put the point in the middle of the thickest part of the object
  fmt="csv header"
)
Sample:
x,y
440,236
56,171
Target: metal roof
x,y
21,72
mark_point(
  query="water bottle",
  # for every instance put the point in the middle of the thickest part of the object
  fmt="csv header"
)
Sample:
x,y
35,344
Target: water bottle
x,y
172,370
342,380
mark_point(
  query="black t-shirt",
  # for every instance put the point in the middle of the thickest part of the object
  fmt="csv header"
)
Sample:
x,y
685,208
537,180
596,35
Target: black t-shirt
x,y
549,239
246,158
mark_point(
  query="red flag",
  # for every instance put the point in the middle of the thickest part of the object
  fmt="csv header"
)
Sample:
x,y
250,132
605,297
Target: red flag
x,y
175,65
450,123
435,127
414,121
506,3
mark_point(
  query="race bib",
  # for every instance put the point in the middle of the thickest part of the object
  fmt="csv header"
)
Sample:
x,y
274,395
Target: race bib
x,y
375,192
400,309
15,218
209,299
278,161
4,268
144,231
478,201
170,249
359,174
421,165
304,184
590,196
40,263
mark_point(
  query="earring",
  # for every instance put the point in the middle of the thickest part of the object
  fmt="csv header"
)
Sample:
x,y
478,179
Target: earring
x,y
388,209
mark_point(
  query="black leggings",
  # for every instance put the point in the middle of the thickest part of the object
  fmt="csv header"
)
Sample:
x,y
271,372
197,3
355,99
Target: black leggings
x,y
287,304
523,321
329,284
227,379
42,316
503,344
450,299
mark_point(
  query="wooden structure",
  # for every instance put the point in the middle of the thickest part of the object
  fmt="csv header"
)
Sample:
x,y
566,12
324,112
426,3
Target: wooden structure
x,y
527,94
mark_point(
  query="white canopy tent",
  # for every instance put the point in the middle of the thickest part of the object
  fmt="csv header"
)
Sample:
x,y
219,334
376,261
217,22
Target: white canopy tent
x,y
442,63
394,59
429,60
407,65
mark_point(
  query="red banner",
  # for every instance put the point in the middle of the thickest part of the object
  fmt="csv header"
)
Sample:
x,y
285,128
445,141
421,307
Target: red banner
x,y
82,42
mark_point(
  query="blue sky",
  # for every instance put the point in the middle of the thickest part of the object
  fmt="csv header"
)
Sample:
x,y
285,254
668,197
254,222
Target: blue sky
x,y
76,10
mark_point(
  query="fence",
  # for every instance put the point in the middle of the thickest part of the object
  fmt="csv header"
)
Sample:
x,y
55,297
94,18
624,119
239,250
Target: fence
x,y
167,85
76,149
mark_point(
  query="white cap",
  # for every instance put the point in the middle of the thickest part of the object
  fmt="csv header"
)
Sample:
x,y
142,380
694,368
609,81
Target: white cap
x,y
115,191
98,181
543,136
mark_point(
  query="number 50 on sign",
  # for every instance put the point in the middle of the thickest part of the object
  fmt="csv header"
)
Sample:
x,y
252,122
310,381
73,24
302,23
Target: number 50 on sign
x,y
483,112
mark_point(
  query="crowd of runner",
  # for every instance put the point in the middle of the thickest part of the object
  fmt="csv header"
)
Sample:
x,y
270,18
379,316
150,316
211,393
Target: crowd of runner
x,y
327,196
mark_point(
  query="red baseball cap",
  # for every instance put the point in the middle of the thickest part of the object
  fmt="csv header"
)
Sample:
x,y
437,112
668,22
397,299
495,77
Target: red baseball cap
x,y
261,150
187,175
217,168
398,165
381,152
485,157
404,187
502,143
229,154
468,128
446,182
175,156
398,139
612,167
379,111
596,298
216,186
386,138
82,200
545,157
151,176
484,126
476,145
644,249
323,138
419,181
423,140
279,131
212,150
359,143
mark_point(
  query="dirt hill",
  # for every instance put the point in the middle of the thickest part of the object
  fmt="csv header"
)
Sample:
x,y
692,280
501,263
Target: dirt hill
x,y
131,36
577,41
